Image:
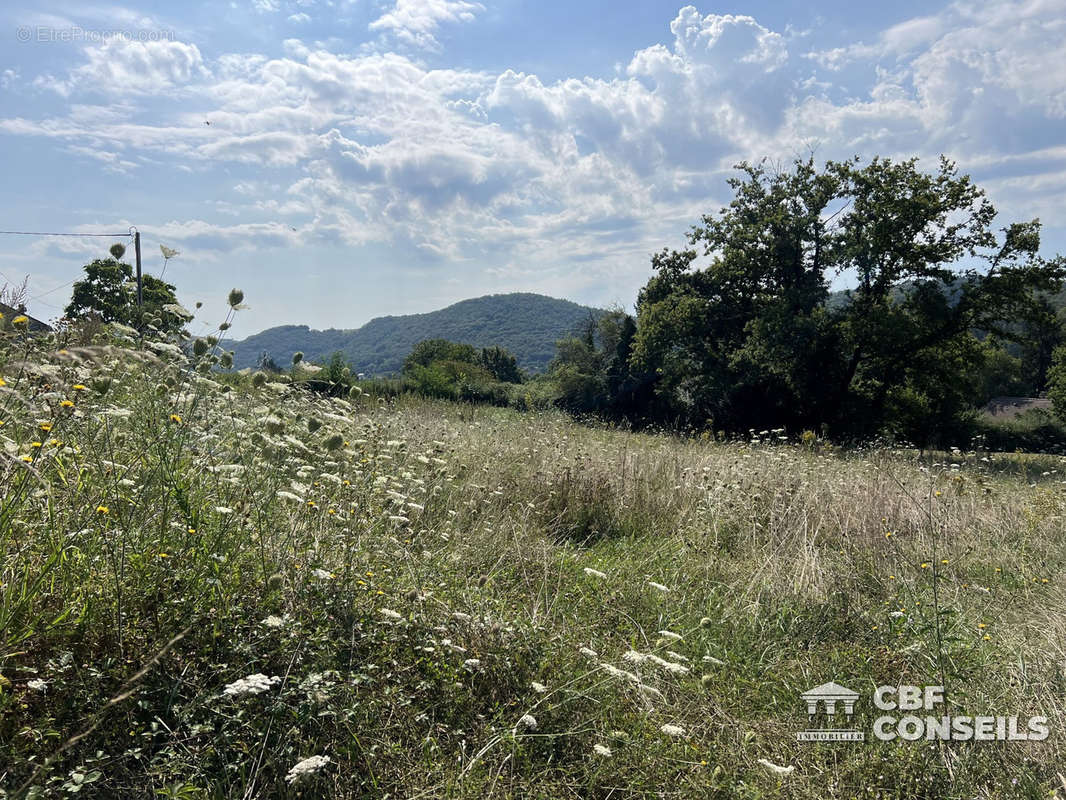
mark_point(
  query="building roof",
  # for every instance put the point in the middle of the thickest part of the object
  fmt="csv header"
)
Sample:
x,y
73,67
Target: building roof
x,y
10,313
831,691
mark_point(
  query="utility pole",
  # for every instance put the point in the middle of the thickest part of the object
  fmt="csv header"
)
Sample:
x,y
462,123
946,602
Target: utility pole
x,y
137,250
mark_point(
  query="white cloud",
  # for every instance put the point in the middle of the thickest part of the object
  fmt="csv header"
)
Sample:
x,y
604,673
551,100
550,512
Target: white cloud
x,y
533,176
299,18
414,22
122,66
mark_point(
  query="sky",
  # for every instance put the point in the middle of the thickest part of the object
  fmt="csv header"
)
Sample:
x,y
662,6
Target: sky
x,y
345,159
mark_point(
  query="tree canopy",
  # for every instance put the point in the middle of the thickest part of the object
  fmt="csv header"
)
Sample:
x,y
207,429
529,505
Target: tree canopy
x,y
109,292
749,339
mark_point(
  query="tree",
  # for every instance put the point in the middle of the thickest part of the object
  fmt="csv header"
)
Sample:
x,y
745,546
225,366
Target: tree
x,y
109,293
751,340
430,350
502,365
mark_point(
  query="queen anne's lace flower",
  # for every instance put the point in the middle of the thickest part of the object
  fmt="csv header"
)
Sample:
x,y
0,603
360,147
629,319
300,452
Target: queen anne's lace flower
x,y
252,684
306,768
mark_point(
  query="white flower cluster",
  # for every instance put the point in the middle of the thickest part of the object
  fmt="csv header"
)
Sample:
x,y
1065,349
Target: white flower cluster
x,y
252,684
306,768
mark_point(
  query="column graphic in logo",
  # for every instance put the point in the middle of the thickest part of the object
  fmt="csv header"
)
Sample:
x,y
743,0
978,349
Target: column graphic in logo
x,y
835,699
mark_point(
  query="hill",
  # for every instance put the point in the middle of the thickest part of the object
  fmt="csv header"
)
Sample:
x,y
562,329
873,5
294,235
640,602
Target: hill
x,y
528,325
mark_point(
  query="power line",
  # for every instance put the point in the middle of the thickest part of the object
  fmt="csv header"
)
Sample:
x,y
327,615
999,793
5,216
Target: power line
x,y
42,233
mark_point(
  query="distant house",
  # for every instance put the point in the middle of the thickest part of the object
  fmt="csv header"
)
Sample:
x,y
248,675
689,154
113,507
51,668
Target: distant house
x,y
10,313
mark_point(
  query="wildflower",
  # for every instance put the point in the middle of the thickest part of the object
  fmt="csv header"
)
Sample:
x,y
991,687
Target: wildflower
x,y
21,321
36,445
777,769
472,663
79,387
670,635
45,426
322,575
236,297
658,586
539,688
602,750
256,683
274,621
37,685
284,495
588,652
672,730
66,404
651,691
103,510
527,721
306,768
175,418
390,614
595,573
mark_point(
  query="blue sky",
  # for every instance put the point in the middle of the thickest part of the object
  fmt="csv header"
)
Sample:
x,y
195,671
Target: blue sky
x,y
370,157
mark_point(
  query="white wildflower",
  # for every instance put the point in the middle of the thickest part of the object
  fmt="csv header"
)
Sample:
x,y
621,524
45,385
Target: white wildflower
x,y
274,621
776,768
633,657
390,614
602,750
223,510
674,637
37,685
322,575
306,768
676,656
539,688
588,652
595,573
527,721
658,586
252,684
672,730
459,615
712,660
614,672
289,496
472,663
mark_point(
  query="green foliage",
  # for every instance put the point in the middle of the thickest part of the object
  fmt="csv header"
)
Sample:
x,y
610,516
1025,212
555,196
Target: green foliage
x,y
525,325
1057,382
109,293
753,339
592,372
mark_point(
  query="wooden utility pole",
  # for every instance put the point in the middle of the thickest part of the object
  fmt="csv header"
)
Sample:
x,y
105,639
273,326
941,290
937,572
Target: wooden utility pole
x,y
137,251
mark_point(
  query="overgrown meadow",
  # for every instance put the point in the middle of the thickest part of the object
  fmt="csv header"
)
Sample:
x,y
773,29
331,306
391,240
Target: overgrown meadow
x,y
221,586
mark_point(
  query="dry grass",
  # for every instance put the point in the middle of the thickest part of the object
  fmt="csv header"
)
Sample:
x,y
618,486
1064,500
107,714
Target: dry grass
x,y
445,571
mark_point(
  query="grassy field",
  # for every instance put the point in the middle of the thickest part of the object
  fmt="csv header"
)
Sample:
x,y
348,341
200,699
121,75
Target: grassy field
x,y
233,589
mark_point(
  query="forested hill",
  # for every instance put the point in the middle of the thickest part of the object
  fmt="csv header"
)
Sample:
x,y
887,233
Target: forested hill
x,y
528,325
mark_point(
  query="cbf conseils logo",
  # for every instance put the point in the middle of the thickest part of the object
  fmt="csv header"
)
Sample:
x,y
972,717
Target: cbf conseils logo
x,y
832,700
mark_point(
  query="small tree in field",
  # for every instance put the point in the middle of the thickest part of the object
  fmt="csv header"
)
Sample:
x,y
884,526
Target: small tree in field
x,y
109,293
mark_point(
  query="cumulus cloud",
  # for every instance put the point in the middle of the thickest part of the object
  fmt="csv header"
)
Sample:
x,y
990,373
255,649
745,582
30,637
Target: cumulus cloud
x,y
526,174
414,22
123,66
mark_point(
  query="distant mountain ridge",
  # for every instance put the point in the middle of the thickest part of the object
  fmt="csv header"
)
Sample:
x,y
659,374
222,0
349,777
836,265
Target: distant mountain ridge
x,y
526,324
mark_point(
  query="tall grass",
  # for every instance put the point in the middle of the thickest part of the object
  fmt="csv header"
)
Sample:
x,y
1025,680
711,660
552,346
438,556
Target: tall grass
x,y
206,583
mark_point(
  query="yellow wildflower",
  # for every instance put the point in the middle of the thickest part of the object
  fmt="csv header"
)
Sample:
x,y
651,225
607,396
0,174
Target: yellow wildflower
x,y
66,404
79,387
175,418
103,510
